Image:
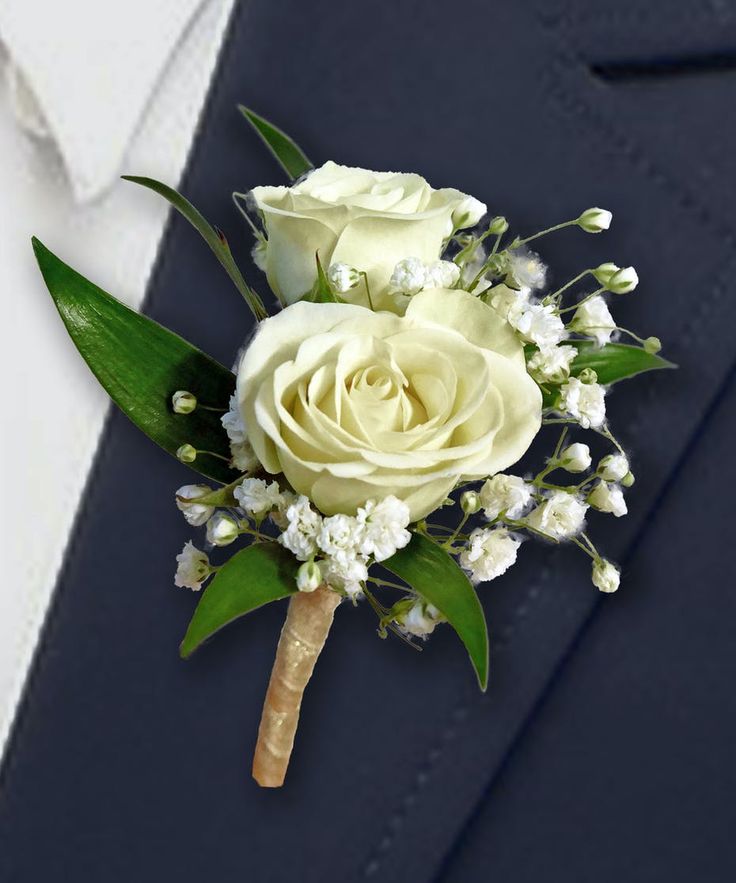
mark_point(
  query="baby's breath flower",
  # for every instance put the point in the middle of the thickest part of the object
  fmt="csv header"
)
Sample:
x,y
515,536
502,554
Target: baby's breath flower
x,y
339,536
576,458
308,577
498,225
593,318
605,576
652,345
613,467
552,364
419,620
384,527
561,515
303,524
232,422
222,529
186,453
186,500
183,402
619,280
470,502
243,456
490,552
527,268
585,402
442,274
537,323
257,497
609,498
409,276
505,493
342,277
347,574
595,220
193,568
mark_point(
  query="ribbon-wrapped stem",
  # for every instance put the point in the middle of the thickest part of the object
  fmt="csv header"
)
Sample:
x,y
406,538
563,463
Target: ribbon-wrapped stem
x,y
303,636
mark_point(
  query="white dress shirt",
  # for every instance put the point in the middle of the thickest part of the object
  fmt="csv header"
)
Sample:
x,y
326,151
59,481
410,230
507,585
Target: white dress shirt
x,y
88,90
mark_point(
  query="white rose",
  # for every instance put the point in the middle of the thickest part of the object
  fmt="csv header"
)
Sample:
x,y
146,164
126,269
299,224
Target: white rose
x,y
353,405
369,220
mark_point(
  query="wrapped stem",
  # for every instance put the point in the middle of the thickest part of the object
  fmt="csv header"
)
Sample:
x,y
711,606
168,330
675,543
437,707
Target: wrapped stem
x,y
303,636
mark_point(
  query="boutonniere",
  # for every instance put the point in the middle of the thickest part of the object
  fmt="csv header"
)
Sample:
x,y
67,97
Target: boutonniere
x,y
363,449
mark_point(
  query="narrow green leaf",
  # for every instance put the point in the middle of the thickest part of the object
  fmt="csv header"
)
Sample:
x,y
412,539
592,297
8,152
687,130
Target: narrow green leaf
x,y
437,578
141,365
322,292
251,578
213,237
615,361
287,152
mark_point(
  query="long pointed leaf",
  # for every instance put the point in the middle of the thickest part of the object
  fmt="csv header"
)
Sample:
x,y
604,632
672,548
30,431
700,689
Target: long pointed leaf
x,y
253,577
615,361
211,236
141,364
436,577
287,152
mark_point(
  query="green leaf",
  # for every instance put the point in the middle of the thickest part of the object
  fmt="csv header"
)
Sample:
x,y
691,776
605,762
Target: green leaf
x,y
615,361
287,152
437,578
322,292
141,365
213,237
253,577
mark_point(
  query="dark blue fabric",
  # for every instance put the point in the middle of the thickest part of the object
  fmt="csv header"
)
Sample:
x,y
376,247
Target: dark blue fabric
x,y
603,748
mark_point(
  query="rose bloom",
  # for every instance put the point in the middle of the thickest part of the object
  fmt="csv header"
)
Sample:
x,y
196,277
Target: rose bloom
x,y
351,405
367,220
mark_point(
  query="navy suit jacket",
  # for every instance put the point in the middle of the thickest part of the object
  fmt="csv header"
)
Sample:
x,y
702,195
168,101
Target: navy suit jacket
x,y
604,747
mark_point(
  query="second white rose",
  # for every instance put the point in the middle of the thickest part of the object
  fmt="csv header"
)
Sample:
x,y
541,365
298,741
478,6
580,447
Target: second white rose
x,y
368,220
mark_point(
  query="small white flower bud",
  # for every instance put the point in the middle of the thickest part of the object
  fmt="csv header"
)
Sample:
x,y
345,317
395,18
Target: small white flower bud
x,y
605,576
613,467
588,375
342,277
183,402
498,226
186,500
419,620
628,480
576,458
193,568
468,213
595,220
652,345
308,577
186,453
603,272
222,529
623,281
470,502
608,498
409,276
442,274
